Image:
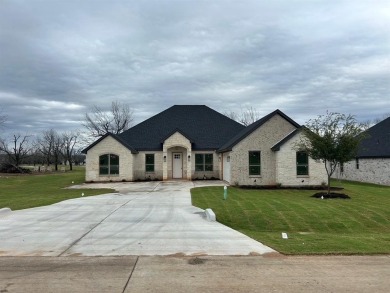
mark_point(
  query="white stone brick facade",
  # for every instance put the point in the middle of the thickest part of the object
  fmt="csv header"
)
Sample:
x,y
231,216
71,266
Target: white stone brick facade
x,y
277,167
262,139
132,167
286,167
371,170
109,145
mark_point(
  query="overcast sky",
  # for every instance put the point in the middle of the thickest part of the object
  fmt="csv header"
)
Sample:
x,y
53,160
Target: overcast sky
x,y
59,58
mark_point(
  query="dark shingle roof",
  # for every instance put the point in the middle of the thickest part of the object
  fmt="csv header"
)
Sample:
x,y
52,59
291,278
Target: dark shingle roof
x,y
377,142
204,127
116,137
249,129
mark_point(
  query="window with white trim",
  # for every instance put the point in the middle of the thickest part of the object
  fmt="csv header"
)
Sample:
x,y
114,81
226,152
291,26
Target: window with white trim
x,y
302,163
203,162
254,163
108,164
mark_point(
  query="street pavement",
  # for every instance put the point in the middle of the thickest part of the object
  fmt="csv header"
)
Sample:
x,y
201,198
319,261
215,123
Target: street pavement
x,y
149,218
136,274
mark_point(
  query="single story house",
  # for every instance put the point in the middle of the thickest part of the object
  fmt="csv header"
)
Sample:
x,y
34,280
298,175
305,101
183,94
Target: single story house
x,y
196,142
372,163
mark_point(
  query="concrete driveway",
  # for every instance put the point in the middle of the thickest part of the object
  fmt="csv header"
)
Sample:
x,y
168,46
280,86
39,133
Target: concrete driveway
x,y
152,218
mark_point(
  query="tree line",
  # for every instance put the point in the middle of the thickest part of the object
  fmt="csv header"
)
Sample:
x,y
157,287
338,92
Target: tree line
x,y
50,147
55,147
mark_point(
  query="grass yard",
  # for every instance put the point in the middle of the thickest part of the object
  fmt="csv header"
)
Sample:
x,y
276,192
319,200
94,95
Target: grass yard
x,y
28,191
360,225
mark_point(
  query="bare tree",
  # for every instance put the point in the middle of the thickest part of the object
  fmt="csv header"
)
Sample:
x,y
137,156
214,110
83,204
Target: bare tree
x,y
245,117
69,139
50,144
100,122
58,145
369,123
18,149
45,145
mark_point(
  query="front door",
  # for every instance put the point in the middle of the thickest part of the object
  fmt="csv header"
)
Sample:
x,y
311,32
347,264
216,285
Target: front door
x,y
177,165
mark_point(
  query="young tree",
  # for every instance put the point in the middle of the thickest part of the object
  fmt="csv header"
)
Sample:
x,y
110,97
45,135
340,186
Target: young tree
x,y
100,122
17,149
333,138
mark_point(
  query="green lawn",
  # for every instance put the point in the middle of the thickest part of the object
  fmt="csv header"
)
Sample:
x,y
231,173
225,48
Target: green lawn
x,y
360,225
27,191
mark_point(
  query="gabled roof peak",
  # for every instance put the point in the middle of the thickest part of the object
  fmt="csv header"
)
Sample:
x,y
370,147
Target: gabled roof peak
x,y
252,127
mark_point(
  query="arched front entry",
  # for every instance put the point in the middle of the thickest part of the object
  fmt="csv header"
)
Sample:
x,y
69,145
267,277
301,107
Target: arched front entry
x,y
177,164
177,157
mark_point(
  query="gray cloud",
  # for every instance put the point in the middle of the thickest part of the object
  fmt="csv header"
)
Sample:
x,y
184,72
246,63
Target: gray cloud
x,y
59,58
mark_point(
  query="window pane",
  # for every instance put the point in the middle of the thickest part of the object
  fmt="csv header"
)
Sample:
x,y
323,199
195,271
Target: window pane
x,y
199,159
149,158
208,158
302,170
103,170
208,167
302,158
149,168
114,169
103,160
199,167
254,158
114,160
254,170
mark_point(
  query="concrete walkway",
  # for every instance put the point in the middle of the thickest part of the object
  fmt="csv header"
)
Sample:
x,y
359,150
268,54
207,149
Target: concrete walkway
x,y
152,218
268,273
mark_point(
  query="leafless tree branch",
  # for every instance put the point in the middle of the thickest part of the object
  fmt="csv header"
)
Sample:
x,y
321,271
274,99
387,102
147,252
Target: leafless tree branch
x,y
117,120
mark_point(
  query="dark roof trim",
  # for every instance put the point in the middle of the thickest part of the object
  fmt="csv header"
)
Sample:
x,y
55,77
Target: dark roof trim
x,y
277,146
373,157
179,131
117,138
250,128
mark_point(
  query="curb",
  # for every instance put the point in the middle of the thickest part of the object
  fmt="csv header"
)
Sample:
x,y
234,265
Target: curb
x,y
210,215
5,211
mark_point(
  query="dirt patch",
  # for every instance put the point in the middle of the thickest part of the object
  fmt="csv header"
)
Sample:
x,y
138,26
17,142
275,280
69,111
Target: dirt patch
x,y
196,261
331,195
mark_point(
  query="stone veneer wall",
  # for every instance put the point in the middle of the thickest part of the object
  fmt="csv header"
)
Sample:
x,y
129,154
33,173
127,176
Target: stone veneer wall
x,y
216,166
286,170
109,146
140,168
262,139
371,170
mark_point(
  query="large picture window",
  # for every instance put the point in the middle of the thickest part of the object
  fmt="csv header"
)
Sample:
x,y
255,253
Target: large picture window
x,y
302,163
149,162
255,163
203,162
109,164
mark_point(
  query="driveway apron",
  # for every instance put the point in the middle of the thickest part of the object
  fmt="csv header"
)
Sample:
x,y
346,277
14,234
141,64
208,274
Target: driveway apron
x,y
150,218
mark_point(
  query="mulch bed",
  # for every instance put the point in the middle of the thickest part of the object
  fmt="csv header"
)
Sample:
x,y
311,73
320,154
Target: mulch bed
x,y
332,195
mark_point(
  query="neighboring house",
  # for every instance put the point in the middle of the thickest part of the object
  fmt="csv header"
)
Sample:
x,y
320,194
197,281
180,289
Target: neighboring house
x,y
196,142
372,163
